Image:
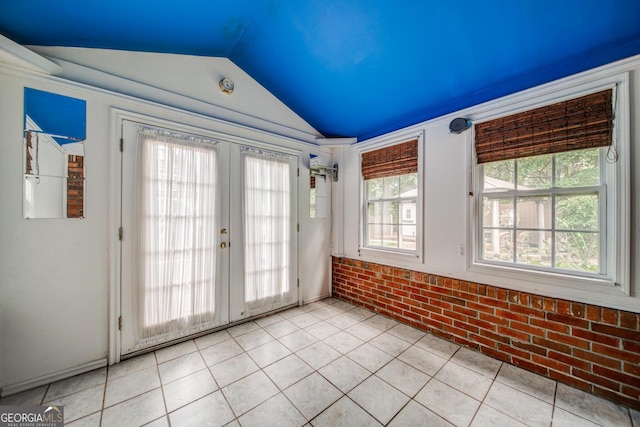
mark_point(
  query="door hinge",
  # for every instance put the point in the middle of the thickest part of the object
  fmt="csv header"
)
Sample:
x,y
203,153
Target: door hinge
x,y
298,282
121,145
298,227
120,323
120,233
298,171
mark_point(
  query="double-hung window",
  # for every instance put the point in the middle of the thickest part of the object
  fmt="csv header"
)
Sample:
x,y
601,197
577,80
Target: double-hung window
x,y
544,195
390,178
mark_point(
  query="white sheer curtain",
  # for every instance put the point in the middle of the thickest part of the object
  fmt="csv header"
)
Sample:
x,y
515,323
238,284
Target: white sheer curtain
x,y
267,229
177,234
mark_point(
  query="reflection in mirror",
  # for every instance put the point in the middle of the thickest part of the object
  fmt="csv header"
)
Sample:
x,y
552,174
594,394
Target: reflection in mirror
x,y
318,187
54,169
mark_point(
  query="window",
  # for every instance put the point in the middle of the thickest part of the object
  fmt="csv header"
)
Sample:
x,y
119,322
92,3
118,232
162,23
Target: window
x,y
543,192
390,179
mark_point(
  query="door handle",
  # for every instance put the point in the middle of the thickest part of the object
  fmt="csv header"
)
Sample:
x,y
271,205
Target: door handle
x,y
223,231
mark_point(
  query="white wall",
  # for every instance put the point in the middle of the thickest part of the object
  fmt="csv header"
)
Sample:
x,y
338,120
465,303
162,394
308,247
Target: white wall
x,y
447,182
58,278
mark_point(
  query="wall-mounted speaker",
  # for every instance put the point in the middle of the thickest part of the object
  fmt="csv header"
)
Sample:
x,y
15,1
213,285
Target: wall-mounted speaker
x,y
459,125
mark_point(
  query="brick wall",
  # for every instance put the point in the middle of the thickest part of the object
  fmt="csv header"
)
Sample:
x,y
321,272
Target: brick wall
x,y
592,348
75,187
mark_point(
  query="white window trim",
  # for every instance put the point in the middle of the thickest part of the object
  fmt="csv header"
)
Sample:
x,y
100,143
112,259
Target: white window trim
x,y
398,255
618,195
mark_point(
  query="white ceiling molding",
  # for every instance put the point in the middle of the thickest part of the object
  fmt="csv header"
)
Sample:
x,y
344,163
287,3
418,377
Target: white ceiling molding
x,y
17,55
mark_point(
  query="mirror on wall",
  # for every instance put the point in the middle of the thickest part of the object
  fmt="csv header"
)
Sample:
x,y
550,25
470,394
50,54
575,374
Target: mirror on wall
x,y
319,173
53,147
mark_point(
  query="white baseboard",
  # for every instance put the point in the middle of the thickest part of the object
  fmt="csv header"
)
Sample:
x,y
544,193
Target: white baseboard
x,y
49,378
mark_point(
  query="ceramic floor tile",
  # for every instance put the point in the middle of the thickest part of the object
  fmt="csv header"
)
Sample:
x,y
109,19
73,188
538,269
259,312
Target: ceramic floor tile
x,y
212,339
293,312
324,313
280,329
378,398
343,342
405,378
253,339
249,392
451,404
381,322
406,333
312,395
390,344
369,357
635,418
437,346
489,417
359,314
75,384
322,330
288,371
298,340
562,418
188,389
220,352
591,407
80,404
129,366
344,373
304,320
342,321
231,370
92,420
160,422
268,353
269,320
277,412
33,397
319,354
174,351
465,380
421,359
416,415
341,306
523,407
137,411
243,328
528,382
212,410
344,413
180,367
126,387
363,331
477,362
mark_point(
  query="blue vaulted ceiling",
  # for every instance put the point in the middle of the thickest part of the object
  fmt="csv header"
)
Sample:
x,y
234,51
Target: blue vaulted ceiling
x,y
354,67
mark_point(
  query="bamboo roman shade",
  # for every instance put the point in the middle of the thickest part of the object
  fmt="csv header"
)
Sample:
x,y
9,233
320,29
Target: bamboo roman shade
x,y
399,159
579,123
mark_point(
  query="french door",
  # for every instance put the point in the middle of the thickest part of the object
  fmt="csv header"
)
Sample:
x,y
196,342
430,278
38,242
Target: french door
x,y
208,234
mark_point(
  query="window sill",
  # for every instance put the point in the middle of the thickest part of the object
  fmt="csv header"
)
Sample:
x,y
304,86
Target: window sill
x,y
381,255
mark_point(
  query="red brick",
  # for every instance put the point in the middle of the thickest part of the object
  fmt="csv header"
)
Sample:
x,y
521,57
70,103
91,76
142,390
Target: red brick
x,y
549,304
593,313
512,316
633,393
592,336
493,319
480,307
465,326
610,316
482,324
483,340
631,380
563,307
529,366
618,332
494,337
608,394
568,320
572,361
551,345
531,348
513,334
456,316
464,295
466,311
455,331
548,325
632,369
514,351
496,354
615,352
567,339
536,302
595,379
570,380
531,312
528,329
577,309
596,358
493,302
441,319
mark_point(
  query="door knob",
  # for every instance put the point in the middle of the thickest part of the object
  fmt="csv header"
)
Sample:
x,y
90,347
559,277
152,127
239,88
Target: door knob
x,y
223,245
223,231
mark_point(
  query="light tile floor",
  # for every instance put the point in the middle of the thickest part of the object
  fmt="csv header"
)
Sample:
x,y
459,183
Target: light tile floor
x,y
324,364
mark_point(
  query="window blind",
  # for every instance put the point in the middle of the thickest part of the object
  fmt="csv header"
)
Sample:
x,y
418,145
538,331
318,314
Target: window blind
x,y
578,123
399,159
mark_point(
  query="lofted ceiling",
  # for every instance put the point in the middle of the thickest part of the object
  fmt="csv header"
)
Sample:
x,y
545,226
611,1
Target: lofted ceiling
x,y
354,68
